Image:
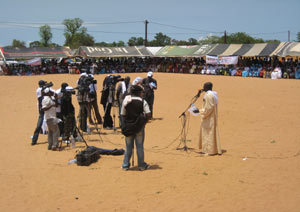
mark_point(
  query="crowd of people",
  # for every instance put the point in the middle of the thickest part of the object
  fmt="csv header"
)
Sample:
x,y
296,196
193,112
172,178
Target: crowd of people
x,y
246,67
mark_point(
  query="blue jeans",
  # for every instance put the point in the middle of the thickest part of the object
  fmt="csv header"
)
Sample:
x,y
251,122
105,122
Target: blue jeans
x,y
139,143
38,128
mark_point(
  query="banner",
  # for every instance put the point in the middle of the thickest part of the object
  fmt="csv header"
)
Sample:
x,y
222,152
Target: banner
x,y
227,60
34,62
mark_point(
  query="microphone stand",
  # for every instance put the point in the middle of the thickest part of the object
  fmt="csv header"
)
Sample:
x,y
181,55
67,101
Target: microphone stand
x,y
184,129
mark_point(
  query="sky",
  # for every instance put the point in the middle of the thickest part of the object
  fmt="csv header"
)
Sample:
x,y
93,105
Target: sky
x,y
119,20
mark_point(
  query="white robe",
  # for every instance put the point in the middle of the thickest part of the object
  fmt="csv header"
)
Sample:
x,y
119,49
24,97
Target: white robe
x,y
209,140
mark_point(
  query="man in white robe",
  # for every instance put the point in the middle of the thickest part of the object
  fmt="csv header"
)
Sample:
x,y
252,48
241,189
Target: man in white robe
x,y
209,141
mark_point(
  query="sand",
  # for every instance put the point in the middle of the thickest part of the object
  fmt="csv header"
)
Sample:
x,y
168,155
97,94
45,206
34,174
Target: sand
x,y
259,171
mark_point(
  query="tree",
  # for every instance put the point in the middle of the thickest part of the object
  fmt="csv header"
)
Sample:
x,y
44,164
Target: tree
x,y
160,40
134,41
75,34
121,43
46,35
35,44
210,39
18,43
298,36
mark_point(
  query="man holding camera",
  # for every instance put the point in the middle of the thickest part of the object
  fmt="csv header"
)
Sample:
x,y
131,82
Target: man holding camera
x,y
149,84
82,98
136,113
41,112
108,98
122,92
49,107
68,112
93,105
209,140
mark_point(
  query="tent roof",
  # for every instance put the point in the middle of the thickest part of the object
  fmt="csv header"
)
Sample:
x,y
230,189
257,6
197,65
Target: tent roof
x,y
28,53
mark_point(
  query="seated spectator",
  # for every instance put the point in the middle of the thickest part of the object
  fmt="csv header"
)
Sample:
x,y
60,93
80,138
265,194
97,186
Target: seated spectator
x,y
276,73
297,75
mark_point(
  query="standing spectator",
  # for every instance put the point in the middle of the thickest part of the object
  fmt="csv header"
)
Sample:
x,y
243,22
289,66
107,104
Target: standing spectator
x,y
149,85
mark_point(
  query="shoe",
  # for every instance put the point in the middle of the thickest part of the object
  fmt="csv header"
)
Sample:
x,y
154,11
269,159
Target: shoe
x,y
144,168
125,168
108,128
49,147
33,143
54,148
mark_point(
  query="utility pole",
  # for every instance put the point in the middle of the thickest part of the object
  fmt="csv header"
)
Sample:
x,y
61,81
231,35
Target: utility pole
x,y
289,36
146,32
225,37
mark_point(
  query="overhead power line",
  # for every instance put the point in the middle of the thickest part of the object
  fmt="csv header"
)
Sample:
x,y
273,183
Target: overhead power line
x,y
185,28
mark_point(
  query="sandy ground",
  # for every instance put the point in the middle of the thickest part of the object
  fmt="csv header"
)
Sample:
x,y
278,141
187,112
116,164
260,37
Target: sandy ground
x,y
258,120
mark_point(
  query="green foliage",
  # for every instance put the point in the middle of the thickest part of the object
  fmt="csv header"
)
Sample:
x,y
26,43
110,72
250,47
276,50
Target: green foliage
x,y
18,43
211,39
298,36
35,44
134,41
46,35
76,35
113,44
160,40
190,41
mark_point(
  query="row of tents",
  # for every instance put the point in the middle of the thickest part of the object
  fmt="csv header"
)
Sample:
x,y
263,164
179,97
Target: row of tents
x,y
283,49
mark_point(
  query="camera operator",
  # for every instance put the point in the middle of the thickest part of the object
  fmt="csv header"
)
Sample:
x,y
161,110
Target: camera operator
x,y
82,98
41,113
149,85
59,95
122,92
49,104
68,112
108,98
93,105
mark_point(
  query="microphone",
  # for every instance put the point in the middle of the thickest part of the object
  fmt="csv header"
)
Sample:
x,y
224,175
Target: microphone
x,y
199,92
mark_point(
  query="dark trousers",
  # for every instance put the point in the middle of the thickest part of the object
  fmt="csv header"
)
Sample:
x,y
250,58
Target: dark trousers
x,y
150,100
83,114
60,124
108,122
38,128
69,126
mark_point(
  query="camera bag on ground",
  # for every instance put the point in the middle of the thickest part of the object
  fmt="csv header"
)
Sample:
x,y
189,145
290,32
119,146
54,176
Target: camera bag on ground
x,y
88,156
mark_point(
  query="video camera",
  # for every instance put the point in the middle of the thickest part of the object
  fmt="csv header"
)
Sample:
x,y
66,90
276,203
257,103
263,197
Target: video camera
x,y
47,85
113,79
84,82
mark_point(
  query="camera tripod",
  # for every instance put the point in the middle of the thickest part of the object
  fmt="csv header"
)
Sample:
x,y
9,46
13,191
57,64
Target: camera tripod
x,y
184,123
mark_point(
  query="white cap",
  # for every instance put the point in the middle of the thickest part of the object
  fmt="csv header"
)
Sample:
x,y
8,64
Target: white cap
x,y
137,81
83,74
150,74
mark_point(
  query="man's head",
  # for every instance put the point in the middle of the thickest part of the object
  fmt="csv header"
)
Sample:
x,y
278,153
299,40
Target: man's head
x,y
42,83
64,85
150,74
136,90
207,86
127,80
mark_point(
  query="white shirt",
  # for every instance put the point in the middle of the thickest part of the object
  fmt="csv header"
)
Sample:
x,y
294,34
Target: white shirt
x,y
128,99
59,95
47,102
